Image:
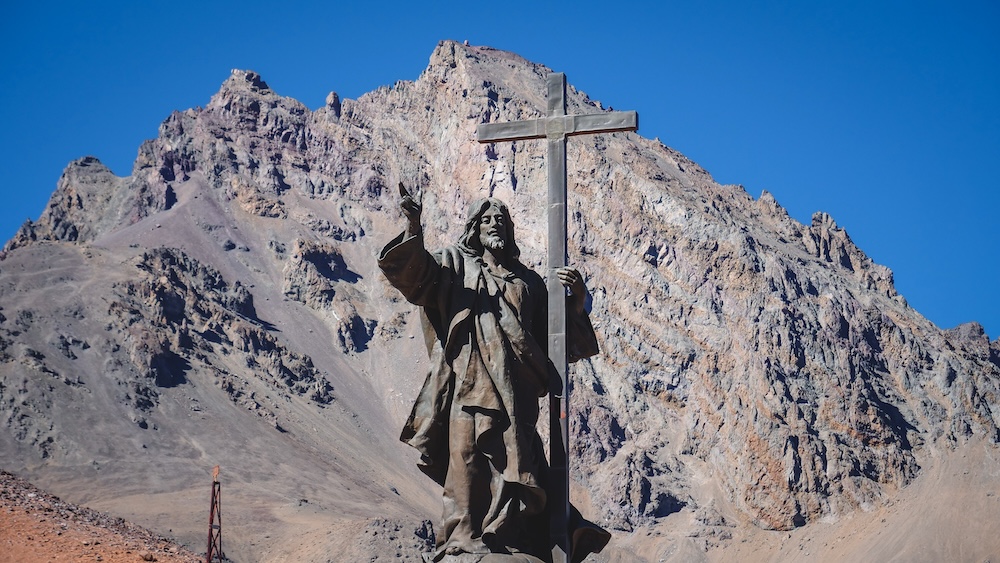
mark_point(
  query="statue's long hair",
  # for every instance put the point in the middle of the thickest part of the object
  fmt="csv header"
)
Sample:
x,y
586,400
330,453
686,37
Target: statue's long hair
x,y
469,240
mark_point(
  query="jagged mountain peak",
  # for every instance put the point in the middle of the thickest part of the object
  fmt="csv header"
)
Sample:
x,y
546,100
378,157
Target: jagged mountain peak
x,y
246,87
245,79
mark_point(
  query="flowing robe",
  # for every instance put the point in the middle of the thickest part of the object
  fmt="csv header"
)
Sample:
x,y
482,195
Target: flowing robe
x,y
473,421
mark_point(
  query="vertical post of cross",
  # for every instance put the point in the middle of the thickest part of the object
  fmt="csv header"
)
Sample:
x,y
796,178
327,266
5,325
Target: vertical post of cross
x,y
558,489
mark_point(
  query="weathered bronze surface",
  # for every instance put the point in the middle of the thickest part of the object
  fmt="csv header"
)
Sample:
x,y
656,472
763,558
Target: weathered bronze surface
x,y
484,317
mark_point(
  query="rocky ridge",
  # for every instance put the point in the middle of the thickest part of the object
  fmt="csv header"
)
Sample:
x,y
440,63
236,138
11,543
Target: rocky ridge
x,y
772,359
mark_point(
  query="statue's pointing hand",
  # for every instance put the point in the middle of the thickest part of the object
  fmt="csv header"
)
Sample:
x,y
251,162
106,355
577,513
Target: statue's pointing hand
x,y
571,278
411,209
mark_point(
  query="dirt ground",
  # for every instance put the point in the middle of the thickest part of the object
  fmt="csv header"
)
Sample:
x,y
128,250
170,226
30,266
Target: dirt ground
x,y
37,527
949,513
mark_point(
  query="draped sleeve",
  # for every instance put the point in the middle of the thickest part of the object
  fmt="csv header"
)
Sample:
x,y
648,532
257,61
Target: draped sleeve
x,y
411,269
422,280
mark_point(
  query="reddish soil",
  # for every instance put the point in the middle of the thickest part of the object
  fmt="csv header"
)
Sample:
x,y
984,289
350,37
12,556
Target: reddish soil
x,y
35,526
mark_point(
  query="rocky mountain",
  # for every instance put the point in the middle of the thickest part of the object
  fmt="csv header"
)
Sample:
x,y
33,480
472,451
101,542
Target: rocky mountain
x,y
762,384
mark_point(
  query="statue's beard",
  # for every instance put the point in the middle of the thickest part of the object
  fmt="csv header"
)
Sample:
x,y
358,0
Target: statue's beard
x,y
494,242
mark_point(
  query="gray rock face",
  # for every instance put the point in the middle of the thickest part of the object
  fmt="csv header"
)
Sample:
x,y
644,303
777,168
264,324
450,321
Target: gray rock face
x,y
756,371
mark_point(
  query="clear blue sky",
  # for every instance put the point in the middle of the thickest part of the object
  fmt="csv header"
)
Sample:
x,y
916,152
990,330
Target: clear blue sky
x,y
883,114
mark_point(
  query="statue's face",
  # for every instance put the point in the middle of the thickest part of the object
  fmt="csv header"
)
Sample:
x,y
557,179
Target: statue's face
x,y
493,229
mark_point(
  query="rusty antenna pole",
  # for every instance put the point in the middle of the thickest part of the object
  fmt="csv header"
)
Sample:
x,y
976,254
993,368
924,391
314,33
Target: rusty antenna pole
x,y
215,521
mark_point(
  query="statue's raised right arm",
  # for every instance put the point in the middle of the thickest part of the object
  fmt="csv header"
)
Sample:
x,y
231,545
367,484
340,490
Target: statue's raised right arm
x,y
404,260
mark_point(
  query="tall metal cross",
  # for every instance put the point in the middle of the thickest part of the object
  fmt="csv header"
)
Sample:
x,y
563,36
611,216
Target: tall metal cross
x,y
555,127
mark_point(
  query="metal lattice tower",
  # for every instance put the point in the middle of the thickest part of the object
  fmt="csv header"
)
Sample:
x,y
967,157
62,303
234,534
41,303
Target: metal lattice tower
x,y
214,552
